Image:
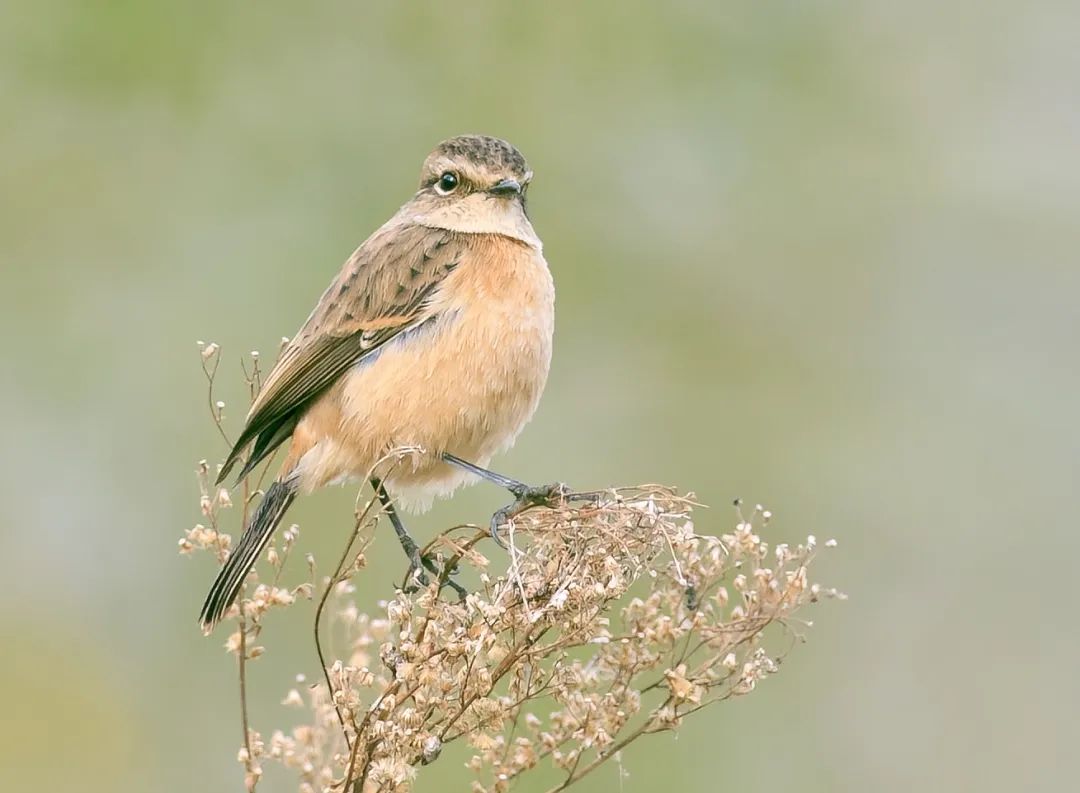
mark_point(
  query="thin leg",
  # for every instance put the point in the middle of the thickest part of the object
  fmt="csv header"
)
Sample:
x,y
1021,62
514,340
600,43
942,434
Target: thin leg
x,y
525,496
408,544
506,482
417,563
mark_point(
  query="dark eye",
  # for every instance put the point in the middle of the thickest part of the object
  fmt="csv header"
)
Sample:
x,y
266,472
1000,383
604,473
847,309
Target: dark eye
x,y
447,183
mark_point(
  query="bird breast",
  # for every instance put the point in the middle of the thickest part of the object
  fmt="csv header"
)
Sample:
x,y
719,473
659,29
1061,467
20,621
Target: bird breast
x,y
466,382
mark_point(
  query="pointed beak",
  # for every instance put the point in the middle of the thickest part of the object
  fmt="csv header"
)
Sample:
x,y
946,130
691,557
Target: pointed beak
x,y
506,187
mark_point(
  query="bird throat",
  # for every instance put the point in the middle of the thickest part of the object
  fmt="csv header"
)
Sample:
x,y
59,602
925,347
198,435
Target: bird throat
x,y
482,214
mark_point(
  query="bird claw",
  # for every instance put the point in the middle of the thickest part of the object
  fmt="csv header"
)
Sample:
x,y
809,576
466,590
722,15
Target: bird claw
x,y
416,579
526,497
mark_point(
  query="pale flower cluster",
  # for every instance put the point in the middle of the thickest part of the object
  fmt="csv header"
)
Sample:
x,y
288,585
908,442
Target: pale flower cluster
x,y
606,621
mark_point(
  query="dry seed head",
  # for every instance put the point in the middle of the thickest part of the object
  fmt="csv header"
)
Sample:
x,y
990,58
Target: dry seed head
x,y
551,662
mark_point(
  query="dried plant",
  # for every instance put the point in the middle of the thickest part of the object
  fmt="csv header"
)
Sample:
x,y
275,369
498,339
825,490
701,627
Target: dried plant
x,y
613,619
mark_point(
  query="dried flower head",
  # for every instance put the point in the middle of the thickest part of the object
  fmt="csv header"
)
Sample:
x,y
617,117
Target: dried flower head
x,y
612,619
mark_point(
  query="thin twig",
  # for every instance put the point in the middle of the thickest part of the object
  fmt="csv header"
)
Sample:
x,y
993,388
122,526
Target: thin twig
x,y
248,759
333,581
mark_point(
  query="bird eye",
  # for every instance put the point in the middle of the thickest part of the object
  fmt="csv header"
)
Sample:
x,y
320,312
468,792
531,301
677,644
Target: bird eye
x,y
447,183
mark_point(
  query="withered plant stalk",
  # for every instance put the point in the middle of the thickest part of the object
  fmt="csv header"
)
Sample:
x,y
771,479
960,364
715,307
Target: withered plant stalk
x,y
607,621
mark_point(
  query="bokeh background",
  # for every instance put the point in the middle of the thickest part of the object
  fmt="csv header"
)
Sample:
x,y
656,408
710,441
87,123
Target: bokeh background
x,y
821,256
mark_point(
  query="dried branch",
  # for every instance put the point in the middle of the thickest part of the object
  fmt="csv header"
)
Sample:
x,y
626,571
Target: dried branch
x,y
613,620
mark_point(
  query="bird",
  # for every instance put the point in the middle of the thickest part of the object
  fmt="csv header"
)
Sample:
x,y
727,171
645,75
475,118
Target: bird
x,y
435,335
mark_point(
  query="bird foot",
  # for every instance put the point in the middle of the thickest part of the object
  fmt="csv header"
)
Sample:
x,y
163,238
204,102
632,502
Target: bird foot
x,y
528,496
416,579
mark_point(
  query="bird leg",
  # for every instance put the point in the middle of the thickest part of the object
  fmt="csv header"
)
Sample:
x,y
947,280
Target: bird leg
x,y
525,496
417,562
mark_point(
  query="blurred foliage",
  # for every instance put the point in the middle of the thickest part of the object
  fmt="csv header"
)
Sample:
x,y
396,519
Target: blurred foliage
x,y
818,255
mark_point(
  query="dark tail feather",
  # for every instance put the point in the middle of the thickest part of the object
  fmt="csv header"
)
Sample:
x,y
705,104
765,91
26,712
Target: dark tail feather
x,y
271,435
267,516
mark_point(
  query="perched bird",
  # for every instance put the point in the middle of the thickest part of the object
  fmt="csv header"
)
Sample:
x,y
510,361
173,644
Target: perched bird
x,y
436,334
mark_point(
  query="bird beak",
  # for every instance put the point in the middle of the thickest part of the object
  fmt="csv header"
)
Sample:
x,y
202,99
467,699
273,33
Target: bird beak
x,y
506,187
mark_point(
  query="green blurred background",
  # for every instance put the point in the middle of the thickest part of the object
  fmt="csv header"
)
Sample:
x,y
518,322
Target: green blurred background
x,y
818,255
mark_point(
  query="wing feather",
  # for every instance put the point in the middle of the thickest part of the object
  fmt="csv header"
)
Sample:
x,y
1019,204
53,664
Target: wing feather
x,y
383,289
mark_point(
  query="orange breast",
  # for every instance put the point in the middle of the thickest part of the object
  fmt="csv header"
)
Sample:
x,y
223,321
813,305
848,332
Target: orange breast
x,y
466,383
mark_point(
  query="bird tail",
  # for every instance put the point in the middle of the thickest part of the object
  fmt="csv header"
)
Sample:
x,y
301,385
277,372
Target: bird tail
x,y
267,516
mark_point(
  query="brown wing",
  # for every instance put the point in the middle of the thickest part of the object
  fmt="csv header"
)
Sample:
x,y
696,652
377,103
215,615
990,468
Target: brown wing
x,y
383,289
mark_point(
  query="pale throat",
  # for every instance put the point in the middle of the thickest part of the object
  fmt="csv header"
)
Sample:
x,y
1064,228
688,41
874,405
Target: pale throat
x,y
482,214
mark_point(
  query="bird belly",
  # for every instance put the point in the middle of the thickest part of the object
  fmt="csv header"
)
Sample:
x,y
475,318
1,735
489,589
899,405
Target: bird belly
x,y
466,382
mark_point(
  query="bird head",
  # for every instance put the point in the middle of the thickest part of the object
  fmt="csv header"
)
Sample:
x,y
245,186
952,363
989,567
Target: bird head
x,y
474,183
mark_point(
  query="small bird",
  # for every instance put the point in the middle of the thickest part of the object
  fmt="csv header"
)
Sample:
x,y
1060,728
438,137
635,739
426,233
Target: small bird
x,y
436,334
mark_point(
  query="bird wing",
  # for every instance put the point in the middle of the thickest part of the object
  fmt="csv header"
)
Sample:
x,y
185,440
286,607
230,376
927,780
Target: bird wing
x,y
384,288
